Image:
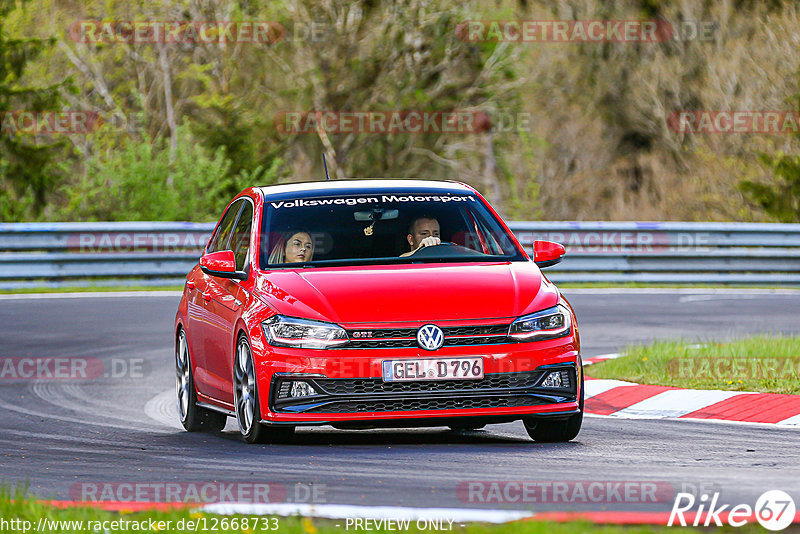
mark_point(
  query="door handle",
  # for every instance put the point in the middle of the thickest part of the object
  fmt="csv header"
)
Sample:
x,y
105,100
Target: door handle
x,y
207,297
190,285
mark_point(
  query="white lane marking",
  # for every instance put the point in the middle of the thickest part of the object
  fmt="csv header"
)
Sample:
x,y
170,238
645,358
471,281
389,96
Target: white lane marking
x,y
71,396
700,421
676,290
675,403
74,396
609,356
163,408
596,387
52,416
89,295
791,422
601,358
703,298
342,511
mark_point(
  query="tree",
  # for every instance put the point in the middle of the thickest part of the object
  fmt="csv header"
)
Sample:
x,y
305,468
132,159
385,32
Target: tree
x,y
28,171
781,198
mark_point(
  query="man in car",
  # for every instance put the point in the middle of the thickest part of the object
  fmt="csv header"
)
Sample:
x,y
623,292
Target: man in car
x,y
422,232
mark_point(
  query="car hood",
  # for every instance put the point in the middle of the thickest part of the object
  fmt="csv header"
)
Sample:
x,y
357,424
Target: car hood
x,y
408,293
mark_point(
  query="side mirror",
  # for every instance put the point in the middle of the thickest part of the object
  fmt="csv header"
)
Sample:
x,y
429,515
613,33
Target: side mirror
x,y
221,264
547,253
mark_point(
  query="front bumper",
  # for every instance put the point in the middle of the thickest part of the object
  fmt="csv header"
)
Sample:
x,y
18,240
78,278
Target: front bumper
x,y
351,390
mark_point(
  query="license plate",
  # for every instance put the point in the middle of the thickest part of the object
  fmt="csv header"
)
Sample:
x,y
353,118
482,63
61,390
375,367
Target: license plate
x,y
433,369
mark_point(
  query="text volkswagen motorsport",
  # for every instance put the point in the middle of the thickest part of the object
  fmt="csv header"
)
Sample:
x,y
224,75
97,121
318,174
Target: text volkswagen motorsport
x,y
374,303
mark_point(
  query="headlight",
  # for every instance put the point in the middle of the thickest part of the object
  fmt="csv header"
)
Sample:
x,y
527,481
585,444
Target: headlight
x,y
303,333
546,324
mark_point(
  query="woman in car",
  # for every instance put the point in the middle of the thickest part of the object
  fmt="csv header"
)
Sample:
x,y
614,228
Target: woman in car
x,y
294,246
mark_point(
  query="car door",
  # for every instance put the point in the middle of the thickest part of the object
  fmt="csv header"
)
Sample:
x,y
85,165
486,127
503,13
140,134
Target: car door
x,y
201,313
224,307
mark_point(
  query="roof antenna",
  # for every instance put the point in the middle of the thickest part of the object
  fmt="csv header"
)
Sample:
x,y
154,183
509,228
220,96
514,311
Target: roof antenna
x,y
325,164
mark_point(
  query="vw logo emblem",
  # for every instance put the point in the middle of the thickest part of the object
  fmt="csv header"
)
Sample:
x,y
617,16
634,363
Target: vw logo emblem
x,y
430,337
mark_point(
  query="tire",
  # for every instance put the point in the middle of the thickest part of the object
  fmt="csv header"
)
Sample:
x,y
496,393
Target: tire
x,y
465,428
193,417
245,398
545,431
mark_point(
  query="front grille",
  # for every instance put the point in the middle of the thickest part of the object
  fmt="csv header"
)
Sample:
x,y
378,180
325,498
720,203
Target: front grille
x,y
477,340
447,403
361,395
384,344
475,330
355,386
407,337
391,332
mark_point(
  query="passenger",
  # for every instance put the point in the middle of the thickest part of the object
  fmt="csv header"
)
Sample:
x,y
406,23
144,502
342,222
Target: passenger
x,y
422,232
294,246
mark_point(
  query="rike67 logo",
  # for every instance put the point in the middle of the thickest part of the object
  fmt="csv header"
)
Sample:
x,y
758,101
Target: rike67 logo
x,y
774,510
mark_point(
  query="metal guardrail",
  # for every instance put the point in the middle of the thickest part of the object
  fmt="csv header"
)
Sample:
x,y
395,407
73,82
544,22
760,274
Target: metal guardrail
x,y
161,253
105,253
671,252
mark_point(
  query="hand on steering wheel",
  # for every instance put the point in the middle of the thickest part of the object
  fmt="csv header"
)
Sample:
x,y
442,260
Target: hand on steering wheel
x,y
430,241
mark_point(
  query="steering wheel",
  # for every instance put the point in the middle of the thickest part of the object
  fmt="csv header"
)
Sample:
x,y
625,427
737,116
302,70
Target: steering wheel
x,y
443,249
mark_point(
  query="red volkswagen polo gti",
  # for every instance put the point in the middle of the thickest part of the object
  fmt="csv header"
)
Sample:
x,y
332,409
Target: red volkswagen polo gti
x,y
374,303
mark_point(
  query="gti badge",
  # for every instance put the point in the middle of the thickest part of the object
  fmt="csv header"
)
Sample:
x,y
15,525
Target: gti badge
x,y
362,335
430,337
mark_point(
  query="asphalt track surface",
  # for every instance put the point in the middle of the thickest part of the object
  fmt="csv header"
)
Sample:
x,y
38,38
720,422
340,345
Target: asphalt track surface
x,y
62,436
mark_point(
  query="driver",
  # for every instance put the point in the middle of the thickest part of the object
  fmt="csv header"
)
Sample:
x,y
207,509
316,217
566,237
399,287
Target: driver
x,y
422,232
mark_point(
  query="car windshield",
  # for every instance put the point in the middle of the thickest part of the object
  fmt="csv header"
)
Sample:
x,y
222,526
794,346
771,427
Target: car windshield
x,y
381,228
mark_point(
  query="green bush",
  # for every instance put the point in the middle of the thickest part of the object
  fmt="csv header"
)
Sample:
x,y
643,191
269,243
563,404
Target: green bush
x,y
780,200
14,206
138,183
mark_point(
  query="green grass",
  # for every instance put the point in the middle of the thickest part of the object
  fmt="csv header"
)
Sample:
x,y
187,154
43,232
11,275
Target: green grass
x,y
21,509
763,363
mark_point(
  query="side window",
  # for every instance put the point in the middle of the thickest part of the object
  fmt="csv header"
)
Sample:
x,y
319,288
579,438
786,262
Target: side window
x,y
240,242
220,239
